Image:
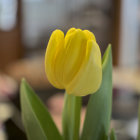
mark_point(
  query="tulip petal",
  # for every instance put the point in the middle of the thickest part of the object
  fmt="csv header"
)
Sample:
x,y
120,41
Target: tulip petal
x,y
60,60
55,43
89,35
88,79
75,47
71,30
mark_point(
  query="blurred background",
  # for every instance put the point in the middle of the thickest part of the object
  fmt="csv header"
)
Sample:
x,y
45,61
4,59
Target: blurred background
x,y
25,27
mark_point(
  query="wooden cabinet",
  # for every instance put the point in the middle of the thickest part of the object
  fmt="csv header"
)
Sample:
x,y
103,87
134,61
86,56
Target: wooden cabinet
x,y
10,38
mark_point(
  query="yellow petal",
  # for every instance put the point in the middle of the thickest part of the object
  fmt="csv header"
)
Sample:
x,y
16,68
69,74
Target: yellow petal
x,y
59,64
60,60
89,35
55,43
88,79
75,47
71,30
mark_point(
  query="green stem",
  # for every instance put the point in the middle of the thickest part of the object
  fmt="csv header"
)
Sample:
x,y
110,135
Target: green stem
x,y
113,135
71,117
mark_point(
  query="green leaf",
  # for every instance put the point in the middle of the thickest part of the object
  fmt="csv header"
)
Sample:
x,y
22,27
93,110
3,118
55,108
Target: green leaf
x,y
113,135
71,117
138,137
36,119
98,115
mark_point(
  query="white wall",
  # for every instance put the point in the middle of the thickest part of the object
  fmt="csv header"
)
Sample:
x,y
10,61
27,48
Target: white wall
x,y
42,15
129,34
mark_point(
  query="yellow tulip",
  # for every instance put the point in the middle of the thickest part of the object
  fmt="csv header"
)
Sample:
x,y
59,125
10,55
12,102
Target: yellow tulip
x,y
73,62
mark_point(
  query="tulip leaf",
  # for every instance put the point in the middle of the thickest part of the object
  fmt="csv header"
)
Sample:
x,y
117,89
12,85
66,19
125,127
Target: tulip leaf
x,y
36,119
98,115
71,117
113,135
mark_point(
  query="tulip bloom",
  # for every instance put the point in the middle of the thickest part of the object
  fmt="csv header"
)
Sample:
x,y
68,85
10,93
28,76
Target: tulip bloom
x,y
73,62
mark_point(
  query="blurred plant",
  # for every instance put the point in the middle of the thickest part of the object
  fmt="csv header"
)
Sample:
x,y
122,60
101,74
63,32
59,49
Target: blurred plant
x,y
90,76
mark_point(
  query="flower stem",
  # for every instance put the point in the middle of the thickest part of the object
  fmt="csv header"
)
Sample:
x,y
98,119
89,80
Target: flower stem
x,y
71,117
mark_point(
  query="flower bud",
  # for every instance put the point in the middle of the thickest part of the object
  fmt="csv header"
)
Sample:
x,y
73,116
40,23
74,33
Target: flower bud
x,y
73,62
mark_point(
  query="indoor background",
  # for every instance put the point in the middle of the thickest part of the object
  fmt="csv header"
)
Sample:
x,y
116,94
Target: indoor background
x,y
25,27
